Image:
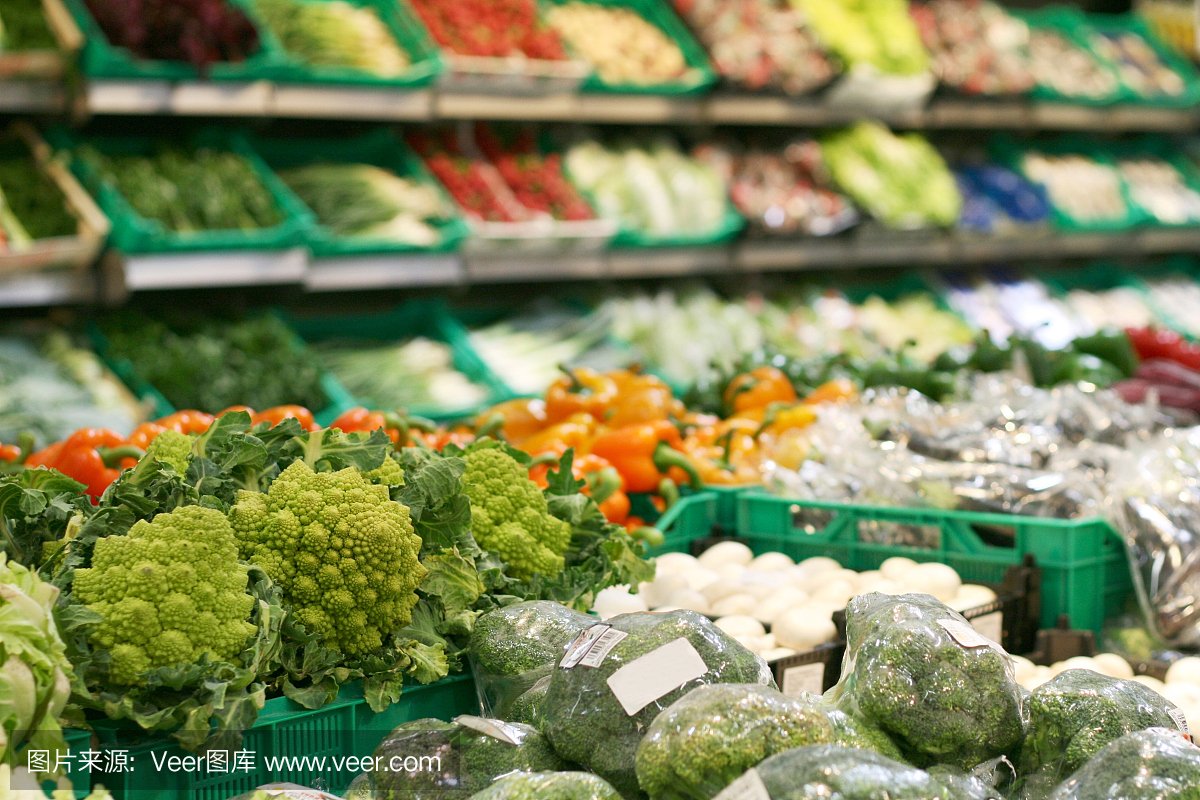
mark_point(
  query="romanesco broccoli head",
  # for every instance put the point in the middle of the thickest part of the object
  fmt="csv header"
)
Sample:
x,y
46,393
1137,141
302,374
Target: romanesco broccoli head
x,y
588,724
509,515
1080,711
171,447
548,786
916,669
847,773
170,591
344,553
389,473
706,740
1154,764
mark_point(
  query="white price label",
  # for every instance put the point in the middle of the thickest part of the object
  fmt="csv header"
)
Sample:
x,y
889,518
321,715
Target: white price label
x,y
1180,720
964,634
644,680
491,727
803,678
747,787
591,646
990,625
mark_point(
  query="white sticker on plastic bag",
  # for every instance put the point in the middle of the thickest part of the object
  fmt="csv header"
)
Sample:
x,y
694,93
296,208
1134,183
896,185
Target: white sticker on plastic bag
x,y
990,625
1180,720
965,634
491,727
591,646
747,787
803,678
643,680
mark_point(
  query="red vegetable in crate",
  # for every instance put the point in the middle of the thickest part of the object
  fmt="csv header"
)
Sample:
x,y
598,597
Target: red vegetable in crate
x,y
495,28
536,180
1153,343
199,32
473,183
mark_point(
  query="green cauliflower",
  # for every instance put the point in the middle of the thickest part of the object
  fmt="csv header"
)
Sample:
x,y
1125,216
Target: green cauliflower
x,y
170,591
702,742
389,473
586,722
548,786
1154,764
171,447
468,760
830,772
515,646
852,731
943,700
344,553
1080,711
527,708
509,515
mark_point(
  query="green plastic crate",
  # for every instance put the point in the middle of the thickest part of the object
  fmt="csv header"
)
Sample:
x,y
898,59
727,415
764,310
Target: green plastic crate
x,y
78,740
102,59
659,14
731,225
1086,573
1110,24
1071,24
414,318
425,57
693,517
725,515
380,148
133,233
1154,147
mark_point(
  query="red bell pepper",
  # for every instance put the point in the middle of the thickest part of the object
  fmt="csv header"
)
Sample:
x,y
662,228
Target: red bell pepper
x,y
90,455
1152,343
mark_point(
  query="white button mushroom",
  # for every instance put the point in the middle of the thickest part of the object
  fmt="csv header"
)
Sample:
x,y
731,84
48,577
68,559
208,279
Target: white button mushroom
x,y
663,587
1113,666
971,595
617,600
803,629
770,562
699,577
740,604
730,572
689,599
817,564
718,589
726,553
674,563
740,625
1185,669
896,567
1153,683
1023,669
938,580
777,653
1077,662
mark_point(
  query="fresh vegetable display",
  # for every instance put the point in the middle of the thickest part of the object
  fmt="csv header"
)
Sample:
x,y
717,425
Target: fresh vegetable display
x,y
1157,187
160,29
536,180
1069,69
1081,188
490,28
760,44
977,48
619,43
189,190
877,34
1140,68
31,205
23,27
335,33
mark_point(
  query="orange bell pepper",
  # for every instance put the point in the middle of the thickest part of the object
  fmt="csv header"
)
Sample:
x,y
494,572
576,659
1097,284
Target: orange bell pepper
x,y
577,431
783,418
580,391
523,417
758,388
644,454
247,409
187,421
278,414
603,483
89,455
643,398
9,452
837,390
725,453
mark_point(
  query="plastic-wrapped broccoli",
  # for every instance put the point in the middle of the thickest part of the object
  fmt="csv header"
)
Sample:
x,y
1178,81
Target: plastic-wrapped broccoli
x,y
513,647
851,731
549,786
470,753
1154,764
702,742
829,772
528,707
619,675
921,673
975,785
1078,712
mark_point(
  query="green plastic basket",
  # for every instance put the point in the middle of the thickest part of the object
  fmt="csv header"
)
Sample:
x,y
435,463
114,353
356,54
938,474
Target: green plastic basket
x,y
725,515
731,225
1153,147
425,57
1112,24
381,148
133,233
702,75
102,59
692,518
414,318
1072,25
78,741
1086,573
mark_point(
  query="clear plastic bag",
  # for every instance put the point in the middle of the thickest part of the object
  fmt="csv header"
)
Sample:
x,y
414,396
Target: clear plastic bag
x,y
515,646
702,742
1078,712
549,786
829,771
285,791
921,673
430,759
1154,764
620,674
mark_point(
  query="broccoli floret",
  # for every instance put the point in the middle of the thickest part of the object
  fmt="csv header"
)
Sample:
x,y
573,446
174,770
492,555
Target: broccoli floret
x,y
943,700
344,553
704,741
586,722
548,786
1154,764
852,731
509,514
515,646
389,473
468,760
171,447
1078,712
823,771
527,707
170,591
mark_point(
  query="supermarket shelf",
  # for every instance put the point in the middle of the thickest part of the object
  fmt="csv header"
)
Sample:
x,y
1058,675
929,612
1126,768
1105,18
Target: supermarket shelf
x,y
219,268
32,96
381,272
46,289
